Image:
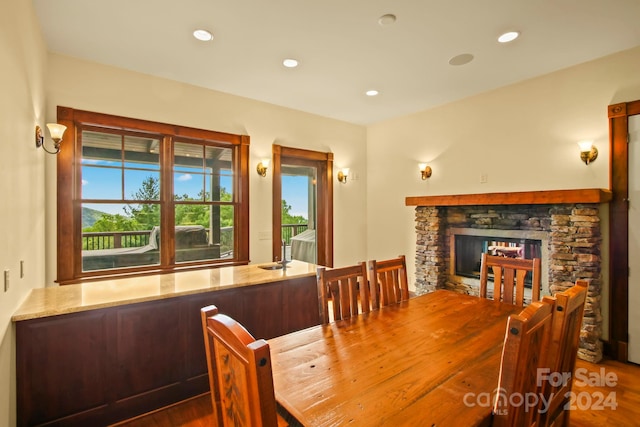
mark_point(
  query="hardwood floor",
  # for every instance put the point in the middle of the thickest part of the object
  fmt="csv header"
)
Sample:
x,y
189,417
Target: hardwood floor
x,y
591,410
626,394
195,412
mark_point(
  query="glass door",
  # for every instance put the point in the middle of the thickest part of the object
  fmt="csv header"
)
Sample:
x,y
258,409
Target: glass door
x,y
298,220
302,205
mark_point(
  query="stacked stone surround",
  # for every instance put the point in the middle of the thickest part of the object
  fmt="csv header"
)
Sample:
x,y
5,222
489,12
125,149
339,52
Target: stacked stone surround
x,y
574,241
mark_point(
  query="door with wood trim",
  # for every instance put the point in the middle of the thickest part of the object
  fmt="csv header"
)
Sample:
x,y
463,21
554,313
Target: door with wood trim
x,y
622,294
316,168
634,239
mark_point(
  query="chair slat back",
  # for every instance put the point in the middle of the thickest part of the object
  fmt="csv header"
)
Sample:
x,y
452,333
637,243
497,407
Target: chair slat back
x,y
345,290
563,351
388,281
240,373
509,278
526,343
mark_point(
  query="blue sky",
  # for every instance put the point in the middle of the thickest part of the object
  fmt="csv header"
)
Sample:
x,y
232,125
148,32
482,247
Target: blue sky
x,y
295,192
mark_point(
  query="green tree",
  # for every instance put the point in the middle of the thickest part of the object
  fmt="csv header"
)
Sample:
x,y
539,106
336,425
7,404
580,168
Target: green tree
x,y
112,222
107,223
287,218
226,211
144,214
192,214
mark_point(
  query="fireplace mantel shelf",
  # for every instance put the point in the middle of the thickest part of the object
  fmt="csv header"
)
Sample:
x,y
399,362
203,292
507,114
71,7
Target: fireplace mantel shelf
x,y
588,195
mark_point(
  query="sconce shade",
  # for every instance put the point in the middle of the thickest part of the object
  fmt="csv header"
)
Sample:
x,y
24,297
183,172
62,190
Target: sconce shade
x,y
56,131
343,174
425,170
262,167
588,152
585,145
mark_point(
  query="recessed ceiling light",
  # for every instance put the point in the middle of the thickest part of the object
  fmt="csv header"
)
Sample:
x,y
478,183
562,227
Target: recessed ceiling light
x,y
461,59
387,19
203,35
371,92
508,37
290,63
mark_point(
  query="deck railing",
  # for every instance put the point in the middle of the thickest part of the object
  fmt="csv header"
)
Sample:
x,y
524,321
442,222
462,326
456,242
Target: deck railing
x,y
290,230
114,239
132,239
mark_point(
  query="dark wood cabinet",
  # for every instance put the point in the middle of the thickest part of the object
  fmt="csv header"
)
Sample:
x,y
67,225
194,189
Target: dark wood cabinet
x,y
100,366
72,347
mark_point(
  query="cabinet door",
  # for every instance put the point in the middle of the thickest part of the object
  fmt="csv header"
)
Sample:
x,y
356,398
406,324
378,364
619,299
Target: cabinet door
x,y
262,310
300,304
229,303
148,337
61,367
147,352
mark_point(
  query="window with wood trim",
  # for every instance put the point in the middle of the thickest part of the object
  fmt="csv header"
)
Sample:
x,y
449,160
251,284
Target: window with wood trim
x,y
137,197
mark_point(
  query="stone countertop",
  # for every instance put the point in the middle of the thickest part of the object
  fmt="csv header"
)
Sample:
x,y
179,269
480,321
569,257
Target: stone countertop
x,y
56,300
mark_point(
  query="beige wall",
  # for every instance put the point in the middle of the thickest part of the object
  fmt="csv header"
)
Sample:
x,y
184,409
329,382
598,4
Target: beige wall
x,y
89,86
22,219
522,136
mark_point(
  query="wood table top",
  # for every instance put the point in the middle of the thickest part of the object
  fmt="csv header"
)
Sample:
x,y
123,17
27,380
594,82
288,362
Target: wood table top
x,y
431,361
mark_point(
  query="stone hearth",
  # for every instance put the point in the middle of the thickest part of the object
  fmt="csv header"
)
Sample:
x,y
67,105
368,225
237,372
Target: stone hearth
x,y
570,230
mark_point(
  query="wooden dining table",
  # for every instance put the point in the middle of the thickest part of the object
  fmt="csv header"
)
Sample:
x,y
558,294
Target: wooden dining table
x,y
433,360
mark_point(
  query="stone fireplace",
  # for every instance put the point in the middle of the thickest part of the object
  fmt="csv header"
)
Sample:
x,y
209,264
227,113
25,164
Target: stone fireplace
x,y
566,224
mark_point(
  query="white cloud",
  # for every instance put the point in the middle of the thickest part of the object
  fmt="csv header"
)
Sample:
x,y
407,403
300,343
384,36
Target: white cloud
x,y
185,177
85,182
98,162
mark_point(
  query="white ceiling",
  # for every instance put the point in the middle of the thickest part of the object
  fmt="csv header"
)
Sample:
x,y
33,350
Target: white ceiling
x,y
342,49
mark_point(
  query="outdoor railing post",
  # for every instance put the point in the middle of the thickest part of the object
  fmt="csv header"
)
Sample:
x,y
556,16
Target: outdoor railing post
x,y
117,240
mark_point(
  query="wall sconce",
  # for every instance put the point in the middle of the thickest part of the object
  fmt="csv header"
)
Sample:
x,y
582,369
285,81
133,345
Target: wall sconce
x,y
425,170
343,174
588,152
56,131
262,167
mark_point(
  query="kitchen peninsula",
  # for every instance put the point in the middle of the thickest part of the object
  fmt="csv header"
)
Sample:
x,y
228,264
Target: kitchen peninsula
x,y
96,353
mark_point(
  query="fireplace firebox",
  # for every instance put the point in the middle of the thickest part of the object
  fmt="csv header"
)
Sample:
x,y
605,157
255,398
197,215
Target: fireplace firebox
x,y
469,249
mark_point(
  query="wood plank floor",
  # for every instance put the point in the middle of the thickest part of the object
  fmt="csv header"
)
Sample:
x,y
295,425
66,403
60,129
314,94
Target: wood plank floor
x,y
591,410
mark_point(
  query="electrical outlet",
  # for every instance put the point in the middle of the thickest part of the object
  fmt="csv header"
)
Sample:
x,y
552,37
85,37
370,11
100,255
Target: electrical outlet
x,y
484,178
6,280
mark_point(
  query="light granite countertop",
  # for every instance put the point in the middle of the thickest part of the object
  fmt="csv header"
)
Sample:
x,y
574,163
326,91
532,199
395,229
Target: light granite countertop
x,y
56,300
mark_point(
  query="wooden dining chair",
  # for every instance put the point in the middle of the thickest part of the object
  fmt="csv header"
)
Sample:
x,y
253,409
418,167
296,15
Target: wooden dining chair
x,y
240,376
388,282
524,352
345,290
509,275
563,351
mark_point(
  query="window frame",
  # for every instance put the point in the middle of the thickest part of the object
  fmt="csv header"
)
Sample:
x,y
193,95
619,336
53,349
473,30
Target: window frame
x,y
69,186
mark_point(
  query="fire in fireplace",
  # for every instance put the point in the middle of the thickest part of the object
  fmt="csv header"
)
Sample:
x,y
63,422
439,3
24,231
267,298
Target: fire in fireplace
x,y
469,249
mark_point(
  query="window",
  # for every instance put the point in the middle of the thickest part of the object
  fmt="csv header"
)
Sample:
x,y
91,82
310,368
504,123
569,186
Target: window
x,y
136,197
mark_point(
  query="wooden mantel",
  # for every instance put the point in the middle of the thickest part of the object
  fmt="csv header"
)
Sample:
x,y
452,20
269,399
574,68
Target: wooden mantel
x,y
589,195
